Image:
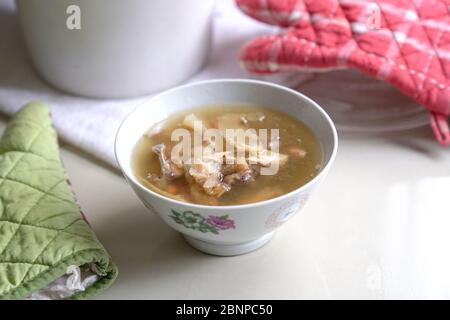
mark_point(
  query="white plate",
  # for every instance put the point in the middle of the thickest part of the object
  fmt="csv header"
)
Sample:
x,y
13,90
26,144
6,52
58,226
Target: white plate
x,y
356,102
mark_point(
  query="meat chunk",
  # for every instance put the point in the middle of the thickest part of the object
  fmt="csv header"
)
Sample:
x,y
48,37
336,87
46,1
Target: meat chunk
x,y
238,177
237,173
205,170
228,169
168,168
156,181
190,120
198,194
267,157
208,175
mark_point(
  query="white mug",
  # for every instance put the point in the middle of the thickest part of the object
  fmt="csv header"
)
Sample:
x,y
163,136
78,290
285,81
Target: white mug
x,y
225,230
116,48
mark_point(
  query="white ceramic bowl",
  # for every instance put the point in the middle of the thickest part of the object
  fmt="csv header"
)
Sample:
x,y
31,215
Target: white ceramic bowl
x,y
241,228
121,49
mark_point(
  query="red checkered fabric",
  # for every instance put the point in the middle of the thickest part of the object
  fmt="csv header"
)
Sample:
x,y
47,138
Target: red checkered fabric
x,y
403,42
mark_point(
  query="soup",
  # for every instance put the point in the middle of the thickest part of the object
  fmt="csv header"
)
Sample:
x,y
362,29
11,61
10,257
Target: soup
x,y
243,154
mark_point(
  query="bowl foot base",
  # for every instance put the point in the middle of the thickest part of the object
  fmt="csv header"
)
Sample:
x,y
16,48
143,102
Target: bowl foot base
x,y
222,249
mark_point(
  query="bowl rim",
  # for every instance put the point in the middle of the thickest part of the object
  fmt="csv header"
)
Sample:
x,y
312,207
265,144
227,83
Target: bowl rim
x,y
312,103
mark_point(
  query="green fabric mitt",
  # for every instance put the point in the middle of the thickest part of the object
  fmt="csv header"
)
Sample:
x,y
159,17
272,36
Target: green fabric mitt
x,y
42,230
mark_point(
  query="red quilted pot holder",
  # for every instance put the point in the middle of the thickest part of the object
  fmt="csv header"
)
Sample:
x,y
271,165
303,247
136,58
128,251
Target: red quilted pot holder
x,y
403,42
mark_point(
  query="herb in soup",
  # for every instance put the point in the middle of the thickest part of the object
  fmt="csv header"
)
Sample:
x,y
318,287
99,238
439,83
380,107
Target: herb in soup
x,y
227,155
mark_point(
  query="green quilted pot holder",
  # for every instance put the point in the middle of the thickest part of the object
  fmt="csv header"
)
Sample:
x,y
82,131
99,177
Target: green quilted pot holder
x,y
43,235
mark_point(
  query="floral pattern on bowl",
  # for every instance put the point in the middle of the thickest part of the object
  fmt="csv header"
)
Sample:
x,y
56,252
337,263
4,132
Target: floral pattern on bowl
x,y
196,221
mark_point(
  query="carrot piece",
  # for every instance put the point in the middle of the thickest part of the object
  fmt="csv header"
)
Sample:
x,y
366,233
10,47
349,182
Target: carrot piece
x,y
172,189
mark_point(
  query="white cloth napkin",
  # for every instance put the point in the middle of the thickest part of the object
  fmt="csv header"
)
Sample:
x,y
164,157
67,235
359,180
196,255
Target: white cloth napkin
x,y
91,124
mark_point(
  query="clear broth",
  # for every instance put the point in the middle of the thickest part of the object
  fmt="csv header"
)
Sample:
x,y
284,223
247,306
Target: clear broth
x,y
293,174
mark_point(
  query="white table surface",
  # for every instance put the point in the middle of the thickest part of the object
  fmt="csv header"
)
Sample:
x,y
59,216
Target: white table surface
x,y
378,227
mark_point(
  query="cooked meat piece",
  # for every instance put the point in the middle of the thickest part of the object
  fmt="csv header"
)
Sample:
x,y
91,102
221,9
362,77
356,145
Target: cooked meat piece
x,y
158,181
266,157
206,171
207,174
155,178
234,167
238,177
256,169
239,121
244,140
236,138
168,168
218,189
198,193
228,169
237,173
189,121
